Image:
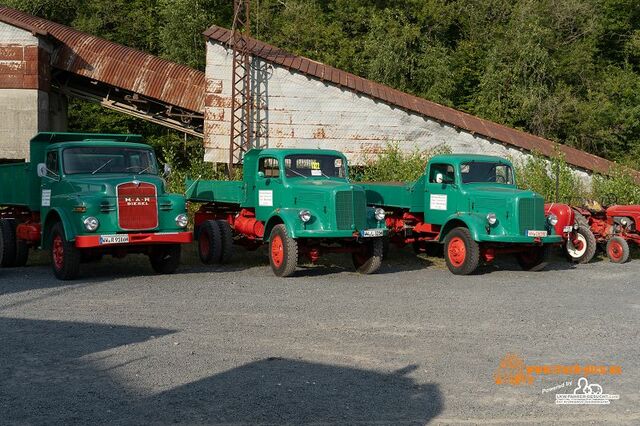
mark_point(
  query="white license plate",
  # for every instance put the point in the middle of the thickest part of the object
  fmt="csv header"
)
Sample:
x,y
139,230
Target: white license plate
x,y
567,228
368,233
536,233
114,239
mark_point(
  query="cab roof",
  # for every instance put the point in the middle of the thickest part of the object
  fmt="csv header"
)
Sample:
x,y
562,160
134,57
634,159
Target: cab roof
x,y
99,142
283,152
466,158
57,137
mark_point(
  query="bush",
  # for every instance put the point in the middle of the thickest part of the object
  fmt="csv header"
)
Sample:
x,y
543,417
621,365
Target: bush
x,y
540,174
619,187
394,165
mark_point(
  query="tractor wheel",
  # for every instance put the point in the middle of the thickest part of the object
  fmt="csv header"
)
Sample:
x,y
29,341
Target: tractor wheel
x,y
585,249
65,257
7,243
165,259
226,237
618,250
22,253
580,219
210,242
283,252
368,259
461,252
532,258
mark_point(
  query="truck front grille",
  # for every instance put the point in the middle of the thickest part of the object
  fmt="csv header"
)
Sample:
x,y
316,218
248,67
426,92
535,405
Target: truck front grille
x,y
137,206
351,210
531,214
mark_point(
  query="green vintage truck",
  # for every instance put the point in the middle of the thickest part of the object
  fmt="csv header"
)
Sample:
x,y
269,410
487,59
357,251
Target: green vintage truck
x,y
471,206
299,201
85,195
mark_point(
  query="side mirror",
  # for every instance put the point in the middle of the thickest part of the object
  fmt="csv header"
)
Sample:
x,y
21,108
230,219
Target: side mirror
x,y
260,174
41,169
439,178
167,170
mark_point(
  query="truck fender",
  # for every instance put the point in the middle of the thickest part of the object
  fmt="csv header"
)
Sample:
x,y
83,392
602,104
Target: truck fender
x,y
56,215
288,217
473,223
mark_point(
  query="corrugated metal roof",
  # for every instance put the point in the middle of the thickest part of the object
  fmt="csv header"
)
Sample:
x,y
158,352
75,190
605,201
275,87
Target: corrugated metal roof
x,y
386,94
114,64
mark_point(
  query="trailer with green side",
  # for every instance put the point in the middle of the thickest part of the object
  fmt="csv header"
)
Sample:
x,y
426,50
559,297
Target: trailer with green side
x,y
299,201
86,195
469,207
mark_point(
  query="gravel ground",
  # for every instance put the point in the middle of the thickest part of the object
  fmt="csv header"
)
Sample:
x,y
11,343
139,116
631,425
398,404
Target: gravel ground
x,y
235,345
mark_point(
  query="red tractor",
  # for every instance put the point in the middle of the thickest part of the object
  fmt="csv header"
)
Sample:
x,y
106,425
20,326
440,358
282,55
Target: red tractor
x,y
613,227
579,241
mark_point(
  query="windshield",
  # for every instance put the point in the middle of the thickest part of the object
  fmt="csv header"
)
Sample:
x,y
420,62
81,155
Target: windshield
x,y
479,171
314,165
108,159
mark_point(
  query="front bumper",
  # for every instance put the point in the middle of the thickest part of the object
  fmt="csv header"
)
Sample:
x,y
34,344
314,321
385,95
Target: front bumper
x,y
521,239
92,241
322,233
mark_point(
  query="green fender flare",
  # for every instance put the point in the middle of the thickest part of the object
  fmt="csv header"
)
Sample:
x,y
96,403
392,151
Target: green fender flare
x,y
69,234
287,216
473,222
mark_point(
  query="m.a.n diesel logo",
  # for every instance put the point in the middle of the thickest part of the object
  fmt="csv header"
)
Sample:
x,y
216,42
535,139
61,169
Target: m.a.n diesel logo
x,y
137,201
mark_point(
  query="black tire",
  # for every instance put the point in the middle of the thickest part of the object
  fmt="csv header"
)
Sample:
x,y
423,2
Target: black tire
x,y
283,252
165,259
226,237
65,257
580,219
8,246
533,257
585,254
618,250
369,258
461,264
22,253
210,242
386,244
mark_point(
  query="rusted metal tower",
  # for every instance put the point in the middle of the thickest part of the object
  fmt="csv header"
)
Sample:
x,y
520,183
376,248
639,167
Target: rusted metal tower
x,y
241,103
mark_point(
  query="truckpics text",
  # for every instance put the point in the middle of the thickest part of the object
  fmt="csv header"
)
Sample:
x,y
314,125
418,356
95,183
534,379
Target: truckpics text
x,y
470,204
86,195
299,201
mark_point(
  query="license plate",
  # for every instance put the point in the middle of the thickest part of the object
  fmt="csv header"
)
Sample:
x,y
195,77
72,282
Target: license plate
x,y
536,233
114,239
567,228
368,233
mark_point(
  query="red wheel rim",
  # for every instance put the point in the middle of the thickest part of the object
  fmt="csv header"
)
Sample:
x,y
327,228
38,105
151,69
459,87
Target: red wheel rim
x,y
457,251
203,245
615,250
277,251
58,252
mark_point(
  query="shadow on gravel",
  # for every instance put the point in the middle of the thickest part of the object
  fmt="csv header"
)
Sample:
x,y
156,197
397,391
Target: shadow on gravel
x,y
45,380
286,391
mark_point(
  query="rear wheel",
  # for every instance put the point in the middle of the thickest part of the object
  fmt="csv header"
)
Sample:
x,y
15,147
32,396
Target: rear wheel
x,y
8,241
368,258
582,247
618,250
532,258
283,252
461,252
210,242
65,257
226,241
165,259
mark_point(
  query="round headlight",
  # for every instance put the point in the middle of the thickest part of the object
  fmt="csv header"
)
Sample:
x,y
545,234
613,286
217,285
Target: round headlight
x,y
492,219
624,221
91,223
553,219
380,214
305,215
182,220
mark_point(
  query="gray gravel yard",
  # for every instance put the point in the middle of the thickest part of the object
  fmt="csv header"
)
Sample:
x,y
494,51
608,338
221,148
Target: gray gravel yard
x,y
235,345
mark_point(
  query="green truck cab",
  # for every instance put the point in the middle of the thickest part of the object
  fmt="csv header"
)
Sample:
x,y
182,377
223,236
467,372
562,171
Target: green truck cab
x,y
85,195
471,205
299,201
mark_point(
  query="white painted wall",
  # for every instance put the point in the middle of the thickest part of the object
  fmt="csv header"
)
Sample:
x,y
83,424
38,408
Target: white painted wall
x,y
308,113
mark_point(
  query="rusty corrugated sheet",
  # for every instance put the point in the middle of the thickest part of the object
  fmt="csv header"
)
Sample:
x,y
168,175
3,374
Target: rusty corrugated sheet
x,y
116,65
405,101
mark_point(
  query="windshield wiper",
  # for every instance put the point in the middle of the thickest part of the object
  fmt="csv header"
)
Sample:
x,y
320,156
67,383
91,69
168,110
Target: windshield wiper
x,y
296,172
140,171
102,167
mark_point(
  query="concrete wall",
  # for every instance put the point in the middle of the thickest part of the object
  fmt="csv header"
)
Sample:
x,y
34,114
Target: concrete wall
x,y
303,112
26,106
